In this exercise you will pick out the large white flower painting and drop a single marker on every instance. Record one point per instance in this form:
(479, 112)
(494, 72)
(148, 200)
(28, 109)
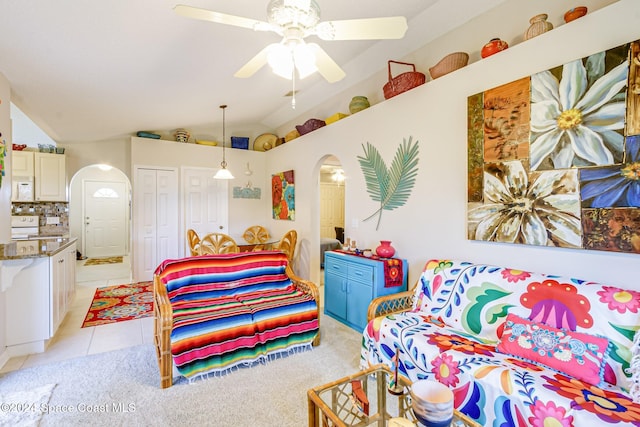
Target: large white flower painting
(554, 158)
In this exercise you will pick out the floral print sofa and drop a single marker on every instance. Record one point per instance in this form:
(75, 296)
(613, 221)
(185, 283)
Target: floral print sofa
(517, 348)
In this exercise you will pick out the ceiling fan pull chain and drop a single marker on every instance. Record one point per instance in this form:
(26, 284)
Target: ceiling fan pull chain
(293, 96)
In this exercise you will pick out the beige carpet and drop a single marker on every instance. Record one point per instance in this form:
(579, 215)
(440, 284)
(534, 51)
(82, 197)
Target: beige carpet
(101, 261)
(122, 387)
(25, 408)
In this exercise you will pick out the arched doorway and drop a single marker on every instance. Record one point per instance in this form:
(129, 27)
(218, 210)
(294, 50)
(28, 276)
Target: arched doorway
(331, 182)
(100, 211)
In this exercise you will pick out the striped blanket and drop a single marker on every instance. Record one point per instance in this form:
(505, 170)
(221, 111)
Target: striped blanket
(233, 310)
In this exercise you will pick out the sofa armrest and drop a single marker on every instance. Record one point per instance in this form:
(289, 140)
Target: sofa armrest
(308, 288)
(163, 323)
(388, 304)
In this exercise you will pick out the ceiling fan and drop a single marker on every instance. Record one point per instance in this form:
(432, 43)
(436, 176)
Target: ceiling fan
(294, 20)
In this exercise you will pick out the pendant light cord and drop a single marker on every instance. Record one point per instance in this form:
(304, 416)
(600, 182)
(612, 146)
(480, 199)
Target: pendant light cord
(224, 159)
(293, 79)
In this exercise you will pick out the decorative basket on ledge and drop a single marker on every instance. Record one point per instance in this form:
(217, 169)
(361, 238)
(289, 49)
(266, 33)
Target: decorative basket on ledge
(449, 63)
(310, 125)
(402, 82)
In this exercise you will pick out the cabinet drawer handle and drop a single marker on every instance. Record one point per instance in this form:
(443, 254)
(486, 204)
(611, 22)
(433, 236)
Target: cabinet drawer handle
(343, 288)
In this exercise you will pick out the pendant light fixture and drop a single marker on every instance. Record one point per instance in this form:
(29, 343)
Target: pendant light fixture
(223, 172)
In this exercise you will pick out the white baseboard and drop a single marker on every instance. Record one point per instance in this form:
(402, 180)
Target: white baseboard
(4, 357)
(25, 349)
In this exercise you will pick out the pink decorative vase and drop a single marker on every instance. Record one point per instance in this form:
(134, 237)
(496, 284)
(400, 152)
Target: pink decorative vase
(385, 250)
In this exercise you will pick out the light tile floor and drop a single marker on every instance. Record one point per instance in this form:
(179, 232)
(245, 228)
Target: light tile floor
(71, 340)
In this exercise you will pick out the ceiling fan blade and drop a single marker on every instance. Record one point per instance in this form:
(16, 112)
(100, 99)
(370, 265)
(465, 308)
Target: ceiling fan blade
(326, 66)
(393, 27)
(221, 18)
(254, 64)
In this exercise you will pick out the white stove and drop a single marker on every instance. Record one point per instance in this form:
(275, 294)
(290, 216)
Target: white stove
(23, 226)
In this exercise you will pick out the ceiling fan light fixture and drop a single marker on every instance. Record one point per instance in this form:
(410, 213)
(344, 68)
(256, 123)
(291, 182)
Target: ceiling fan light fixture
(304, 60)
(294, 20)
(299, 13)
(280, 60)
(283, 58)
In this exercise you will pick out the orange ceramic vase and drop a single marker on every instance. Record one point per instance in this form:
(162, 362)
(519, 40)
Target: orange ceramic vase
(494, 46)
(575, 13)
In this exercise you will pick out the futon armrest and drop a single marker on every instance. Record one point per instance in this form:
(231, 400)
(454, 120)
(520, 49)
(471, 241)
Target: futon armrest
(309, 288)
(388, 304)
(163, 323)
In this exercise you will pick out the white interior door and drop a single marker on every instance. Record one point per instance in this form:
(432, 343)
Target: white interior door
(205, 202)
(105, 218)
(155, 220)
(331, 209)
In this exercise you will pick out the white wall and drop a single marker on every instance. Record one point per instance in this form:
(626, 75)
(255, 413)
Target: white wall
(116, 153)
(5, 194)
(242, 212)
(508, 21)
(7, 139)
(433, 222)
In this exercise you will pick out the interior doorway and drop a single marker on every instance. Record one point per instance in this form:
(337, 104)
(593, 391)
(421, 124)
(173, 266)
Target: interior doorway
(104, 218)
(332, 190)
(100, 211)
(331, 208)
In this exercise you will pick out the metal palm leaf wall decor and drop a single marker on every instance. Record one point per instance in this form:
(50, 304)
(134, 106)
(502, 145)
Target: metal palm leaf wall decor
(391, 187)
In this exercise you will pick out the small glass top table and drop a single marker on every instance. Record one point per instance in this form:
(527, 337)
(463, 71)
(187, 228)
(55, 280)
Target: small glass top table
(245, 246)
(334, 404)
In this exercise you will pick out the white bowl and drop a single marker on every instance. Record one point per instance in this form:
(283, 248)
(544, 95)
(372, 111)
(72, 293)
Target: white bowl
(432, 402)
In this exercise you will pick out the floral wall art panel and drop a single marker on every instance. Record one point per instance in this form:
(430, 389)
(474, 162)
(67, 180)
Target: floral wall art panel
(554, 158)
(283, 195)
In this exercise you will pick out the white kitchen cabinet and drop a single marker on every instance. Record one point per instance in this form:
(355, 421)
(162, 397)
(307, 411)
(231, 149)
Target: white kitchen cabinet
(155, 216)
(62, 285)
(50, 177)
(22, 164)
(27, 308)
(39, 292)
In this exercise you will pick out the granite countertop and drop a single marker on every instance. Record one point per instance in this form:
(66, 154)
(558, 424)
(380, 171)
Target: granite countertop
(22, 249)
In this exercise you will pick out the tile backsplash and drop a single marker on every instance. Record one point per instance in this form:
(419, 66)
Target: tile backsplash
(44, 210)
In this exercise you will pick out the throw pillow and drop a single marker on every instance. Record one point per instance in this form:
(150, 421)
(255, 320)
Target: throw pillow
(572, 353)
(634, 368)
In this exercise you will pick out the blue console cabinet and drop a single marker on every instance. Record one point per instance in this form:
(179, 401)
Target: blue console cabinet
(350, 283)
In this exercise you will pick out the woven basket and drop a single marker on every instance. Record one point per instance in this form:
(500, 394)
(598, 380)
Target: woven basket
(310, 125)
(449, 63)
(402, 82)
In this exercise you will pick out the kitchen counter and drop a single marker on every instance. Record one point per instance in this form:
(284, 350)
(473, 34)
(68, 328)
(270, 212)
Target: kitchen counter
(38, 280)
(22, 249)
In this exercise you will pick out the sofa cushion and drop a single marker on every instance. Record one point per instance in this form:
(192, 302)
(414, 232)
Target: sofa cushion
(494, 389)
(212, 335)
(476, 298)
(573, 353)
(212, 276)
(282, 317)
(207, 336)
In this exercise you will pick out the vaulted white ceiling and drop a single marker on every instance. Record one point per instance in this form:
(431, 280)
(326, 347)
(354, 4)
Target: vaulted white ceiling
(85, 70)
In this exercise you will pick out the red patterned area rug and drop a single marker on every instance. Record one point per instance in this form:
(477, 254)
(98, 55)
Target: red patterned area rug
(119, 303)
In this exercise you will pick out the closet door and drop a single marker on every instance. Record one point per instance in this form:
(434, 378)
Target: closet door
(205, 203)
(167, 229)
(155, 220)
